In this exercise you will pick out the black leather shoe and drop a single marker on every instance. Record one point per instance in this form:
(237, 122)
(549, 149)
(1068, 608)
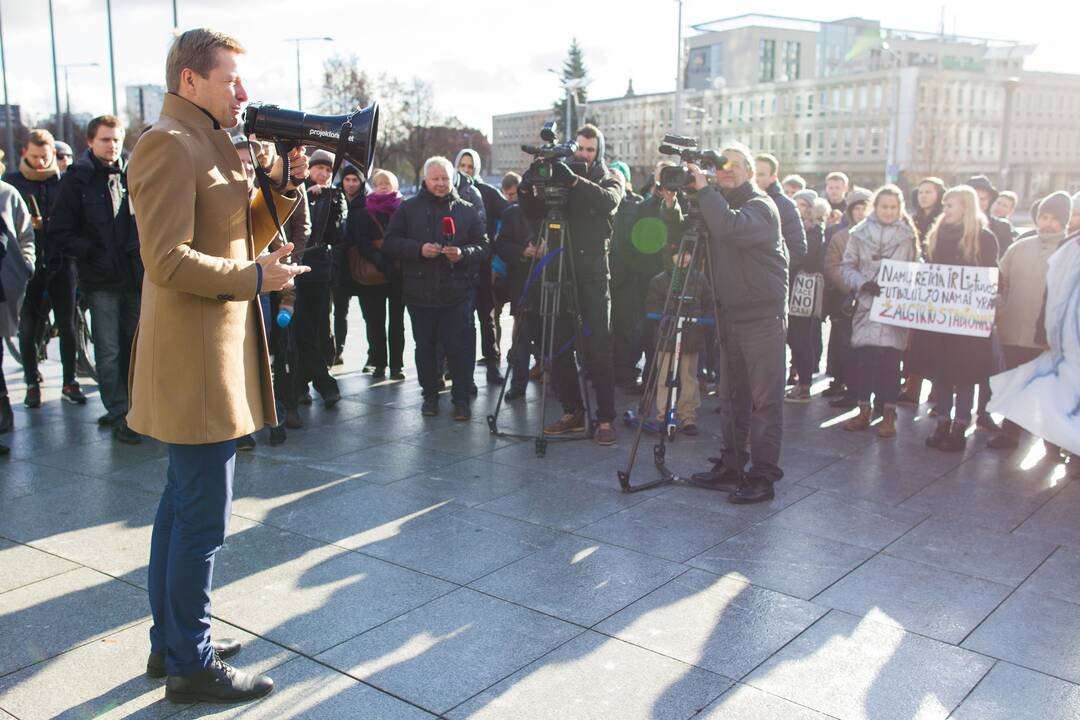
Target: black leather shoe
(515, 393)
(246, 443)
(278, 435)
(753, 490)
(219, 683)
(225, 648)
(462, 413)
(718, 478)
(7, 417)
(122, 433)
(332, 399)
(430, 408)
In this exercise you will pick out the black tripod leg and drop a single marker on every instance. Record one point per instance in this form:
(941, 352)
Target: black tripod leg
(520, 320)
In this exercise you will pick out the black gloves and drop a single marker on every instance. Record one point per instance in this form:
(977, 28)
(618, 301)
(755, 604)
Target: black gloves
(561, 174)
(871, 288)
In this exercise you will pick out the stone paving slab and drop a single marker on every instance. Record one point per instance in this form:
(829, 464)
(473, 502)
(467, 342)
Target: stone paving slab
(305, 689)
(1009, 692)
(22, 565)
(1058, 577)
(595, 677)
(306, 595)
(118, 687)
(1035, 631)
(719, 624)
(778, 558)
(971, 550)
(579, 580)
(860, 669)
(743, 702)
(855, 522)
(443, 653)
(59, 613)
(923, 599)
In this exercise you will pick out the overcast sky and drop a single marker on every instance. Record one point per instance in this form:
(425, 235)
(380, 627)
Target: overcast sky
(481, 58)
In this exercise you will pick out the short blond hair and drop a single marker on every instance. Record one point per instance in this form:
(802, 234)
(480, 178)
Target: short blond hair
(196, 49)
(771, 161)
(387, 175)
(40, 136)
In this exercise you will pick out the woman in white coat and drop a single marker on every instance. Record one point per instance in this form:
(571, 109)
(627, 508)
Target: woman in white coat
(16, 266)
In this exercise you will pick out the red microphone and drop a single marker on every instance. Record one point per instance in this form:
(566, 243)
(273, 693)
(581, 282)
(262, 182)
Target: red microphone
(448, 230)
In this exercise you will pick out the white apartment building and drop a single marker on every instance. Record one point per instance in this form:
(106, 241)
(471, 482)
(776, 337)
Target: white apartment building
(851, 96)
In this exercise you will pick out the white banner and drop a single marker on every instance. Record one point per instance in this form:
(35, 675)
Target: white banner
(954, 299)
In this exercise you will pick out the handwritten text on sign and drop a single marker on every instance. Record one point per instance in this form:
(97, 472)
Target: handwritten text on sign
(953, 299)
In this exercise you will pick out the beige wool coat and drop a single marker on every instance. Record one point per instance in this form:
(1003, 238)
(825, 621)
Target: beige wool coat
(200, 371)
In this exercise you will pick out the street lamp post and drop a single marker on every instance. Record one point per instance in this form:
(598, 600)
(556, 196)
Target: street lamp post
(297, 41)
(112, 62)
(9, 132)
(1006, 128)
(69, 126)
(55, 73)
(677, 120)
(894, 130)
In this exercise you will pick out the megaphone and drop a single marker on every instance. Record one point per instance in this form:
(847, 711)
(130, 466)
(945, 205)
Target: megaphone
(292, 128)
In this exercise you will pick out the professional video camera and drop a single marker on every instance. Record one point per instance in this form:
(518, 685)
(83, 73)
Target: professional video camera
(678, 177)
(544, 158)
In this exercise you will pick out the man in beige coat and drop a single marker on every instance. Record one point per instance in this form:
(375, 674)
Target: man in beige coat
(200, 373)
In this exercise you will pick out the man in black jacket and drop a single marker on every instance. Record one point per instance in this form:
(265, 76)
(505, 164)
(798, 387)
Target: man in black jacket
(750, 270)
(92, 222)
(516, 245)
(591, 202)
(315, 288)
(766, 175)
(37, 178)
(437, 268)
(492, 204)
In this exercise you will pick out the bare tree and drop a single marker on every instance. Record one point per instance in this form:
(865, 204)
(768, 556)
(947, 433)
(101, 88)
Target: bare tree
(420, 118)
(393, 130)
(345, 86)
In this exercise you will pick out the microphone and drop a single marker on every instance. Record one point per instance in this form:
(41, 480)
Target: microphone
(448, 230)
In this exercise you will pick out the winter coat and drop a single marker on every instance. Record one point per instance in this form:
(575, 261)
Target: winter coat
(331, 202)
(955, 359)
(590, 217)
(750, 264)
(16, 257)
(924, 221)
(1023, 279)
(698, 304)
(871, 242)
(836, 290)
(515, 233)
(791, 227)
(92, 222)
(364, 228)
(435, 282)
(41, 193)
(200, 371)
(1003, 233)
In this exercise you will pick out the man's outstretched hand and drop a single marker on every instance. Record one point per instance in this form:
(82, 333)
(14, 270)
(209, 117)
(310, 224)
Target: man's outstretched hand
(276, 275)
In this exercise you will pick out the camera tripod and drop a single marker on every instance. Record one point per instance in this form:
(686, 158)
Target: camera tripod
(555, 273)
(673, 322)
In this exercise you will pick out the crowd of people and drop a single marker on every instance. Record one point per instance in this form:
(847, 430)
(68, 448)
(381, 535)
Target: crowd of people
(220, 273)
(461, 250)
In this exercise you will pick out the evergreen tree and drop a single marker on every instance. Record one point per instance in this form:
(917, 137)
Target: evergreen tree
(573, 69)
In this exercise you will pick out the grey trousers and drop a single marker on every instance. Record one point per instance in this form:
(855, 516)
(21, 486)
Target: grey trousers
(752, 363)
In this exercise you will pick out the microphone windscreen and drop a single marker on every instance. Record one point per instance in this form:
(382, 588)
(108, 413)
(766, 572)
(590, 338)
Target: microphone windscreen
(448, 225)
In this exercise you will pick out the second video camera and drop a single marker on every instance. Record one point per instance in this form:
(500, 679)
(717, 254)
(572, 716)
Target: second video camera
(678, 177)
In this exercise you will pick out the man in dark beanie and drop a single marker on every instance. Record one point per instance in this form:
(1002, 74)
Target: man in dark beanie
(345, 288)
(313, 290)
(987, 195)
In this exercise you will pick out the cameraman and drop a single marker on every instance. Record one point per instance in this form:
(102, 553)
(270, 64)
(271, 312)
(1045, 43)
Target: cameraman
(750, 269)
(592, 199)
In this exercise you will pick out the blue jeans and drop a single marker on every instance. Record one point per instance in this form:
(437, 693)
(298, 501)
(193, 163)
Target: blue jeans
(189, 529)
(114, 314)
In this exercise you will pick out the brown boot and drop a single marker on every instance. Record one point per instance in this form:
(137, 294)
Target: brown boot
(571, 422)
(861, 421)
(887, 428)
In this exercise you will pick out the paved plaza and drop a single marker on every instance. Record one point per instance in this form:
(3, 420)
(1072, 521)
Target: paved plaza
(384, 565)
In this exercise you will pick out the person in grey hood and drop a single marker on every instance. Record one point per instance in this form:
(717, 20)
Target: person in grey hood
(750, 268)
(491, 207)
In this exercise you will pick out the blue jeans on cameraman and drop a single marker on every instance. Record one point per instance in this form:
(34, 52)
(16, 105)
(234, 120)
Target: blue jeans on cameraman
(114, 315)
(190, 526)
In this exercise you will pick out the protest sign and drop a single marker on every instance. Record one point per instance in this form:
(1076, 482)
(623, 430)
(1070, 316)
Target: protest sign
(955, 299)
(806, 295)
